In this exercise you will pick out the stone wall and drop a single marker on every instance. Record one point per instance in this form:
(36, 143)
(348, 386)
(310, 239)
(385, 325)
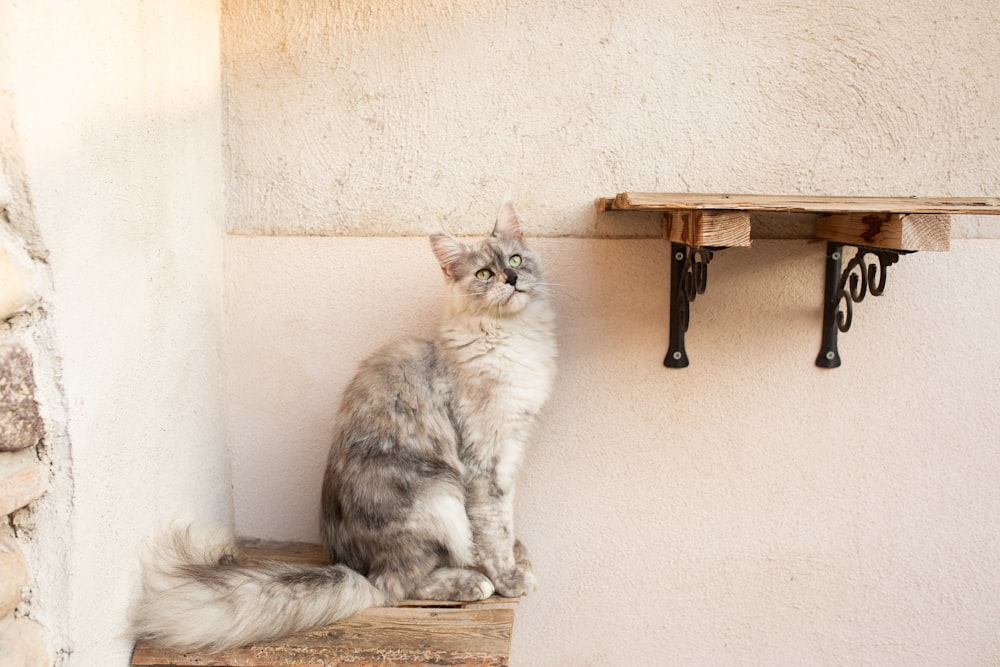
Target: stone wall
(24, 468)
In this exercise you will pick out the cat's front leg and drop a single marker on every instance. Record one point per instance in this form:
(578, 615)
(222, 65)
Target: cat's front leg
(491, 513)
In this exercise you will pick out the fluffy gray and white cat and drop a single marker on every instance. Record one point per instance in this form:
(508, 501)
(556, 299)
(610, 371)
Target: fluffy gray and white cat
(418, 493)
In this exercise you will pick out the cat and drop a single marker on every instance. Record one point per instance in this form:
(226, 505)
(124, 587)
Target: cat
(418, 493)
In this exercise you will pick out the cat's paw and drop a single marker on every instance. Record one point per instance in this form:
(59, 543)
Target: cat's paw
(530, 582)
(454, 584)
(519, 581)
(521, 556)
(474, 589)
(484, 590)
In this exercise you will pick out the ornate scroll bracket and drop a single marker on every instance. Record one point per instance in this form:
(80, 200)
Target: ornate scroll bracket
(688, 279)
(846, 286)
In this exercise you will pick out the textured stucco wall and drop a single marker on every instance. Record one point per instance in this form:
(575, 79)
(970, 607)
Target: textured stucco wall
(361, 118)
(116, 108)
(751, 509)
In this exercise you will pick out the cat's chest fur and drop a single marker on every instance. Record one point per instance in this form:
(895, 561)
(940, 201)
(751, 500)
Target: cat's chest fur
(511, 364)
(504, 375)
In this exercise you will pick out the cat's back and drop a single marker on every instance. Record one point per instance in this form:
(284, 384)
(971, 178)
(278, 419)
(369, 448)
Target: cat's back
(398, 398)
(398, 364)
(394, 450)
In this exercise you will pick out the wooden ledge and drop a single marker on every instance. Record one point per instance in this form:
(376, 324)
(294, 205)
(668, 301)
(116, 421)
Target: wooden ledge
(414, 633)
(723, 221)
(669, 201)
(880, 229)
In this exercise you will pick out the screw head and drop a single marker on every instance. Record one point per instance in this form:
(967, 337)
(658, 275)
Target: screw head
(678, 256)
(835, 255)
(830, 355)
(677, 356)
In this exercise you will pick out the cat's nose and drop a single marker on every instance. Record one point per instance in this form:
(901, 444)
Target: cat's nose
(511, 277)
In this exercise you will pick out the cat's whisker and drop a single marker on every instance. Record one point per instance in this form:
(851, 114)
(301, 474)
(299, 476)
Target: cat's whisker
(549, 288)
(557, 291)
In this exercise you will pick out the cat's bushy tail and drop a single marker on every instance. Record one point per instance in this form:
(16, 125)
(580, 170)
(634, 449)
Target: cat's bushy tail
(196, 597)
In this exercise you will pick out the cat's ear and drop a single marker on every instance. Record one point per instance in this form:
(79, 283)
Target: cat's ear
(507, 222)
(449, 252)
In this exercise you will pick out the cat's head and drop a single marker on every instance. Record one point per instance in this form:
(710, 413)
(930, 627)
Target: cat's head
(497, 276)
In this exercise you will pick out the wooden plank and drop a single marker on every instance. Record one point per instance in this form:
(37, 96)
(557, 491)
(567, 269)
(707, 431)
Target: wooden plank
(663, 201)
(917, 231)
(253, 552)
(414, 631)
(390, 636)
(149, 655)
(716, 229)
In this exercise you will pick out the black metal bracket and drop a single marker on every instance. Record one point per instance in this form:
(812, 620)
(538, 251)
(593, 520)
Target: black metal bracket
(846, 287)
(688, 279)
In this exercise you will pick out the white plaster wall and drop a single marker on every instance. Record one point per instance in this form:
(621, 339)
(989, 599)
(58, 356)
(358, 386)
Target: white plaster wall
(117, 107)
(750, 509)
(361, 118)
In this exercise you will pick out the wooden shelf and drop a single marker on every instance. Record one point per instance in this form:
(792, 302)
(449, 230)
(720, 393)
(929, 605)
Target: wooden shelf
(881, 229)
(669, 201)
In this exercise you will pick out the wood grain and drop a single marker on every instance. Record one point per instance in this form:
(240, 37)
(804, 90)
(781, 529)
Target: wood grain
(716, 229)
(664, 201)
(895, 231)
(253, 552)
(392, 636)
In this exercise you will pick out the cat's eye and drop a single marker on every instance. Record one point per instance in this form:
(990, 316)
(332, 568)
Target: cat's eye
(514, 260)
(484, 274)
